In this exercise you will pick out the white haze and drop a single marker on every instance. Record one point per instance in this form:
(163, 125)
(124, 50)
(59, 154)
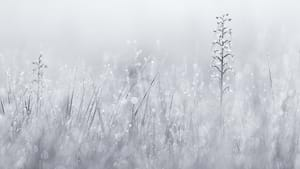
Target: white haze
(133, 84)
(67, 30)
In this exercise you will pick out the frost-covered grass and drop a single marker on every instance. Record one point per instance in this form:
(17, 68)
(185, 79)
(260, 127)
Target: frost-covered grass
(149, 114)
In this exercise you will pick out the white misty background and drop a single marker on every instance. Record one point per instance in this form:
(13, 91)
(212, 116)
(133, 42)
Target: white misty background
(149, 84)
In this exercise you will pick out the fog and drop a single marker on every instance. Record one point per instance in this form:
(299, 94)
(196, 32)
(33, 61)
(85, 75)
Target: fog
(130, 84)
(71, 31)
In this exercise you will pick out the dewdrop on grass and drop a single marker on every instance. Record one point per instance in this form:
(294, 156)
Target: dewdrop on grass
(134, 100)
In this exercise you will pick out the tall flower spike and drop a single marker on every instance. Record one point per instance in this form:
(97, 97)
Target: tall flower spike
(221, 51)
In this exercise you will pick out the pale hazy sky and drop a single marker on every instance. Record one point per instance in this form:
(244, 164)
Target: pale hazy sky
(67, 29)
